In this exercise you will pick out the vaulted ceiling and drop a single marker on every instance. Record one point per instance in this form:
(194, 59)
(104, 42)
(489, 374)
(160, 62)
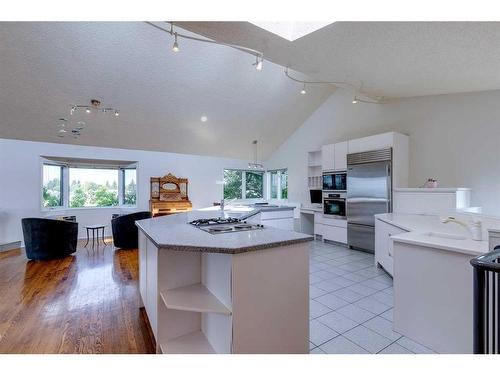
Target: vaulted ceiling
(45, 67)
(392, 59)
(161, 95)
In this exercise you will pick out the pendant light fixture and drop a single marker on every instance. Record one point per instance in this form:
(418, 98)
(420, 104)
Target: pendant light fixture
(303, 91)
(255, 165)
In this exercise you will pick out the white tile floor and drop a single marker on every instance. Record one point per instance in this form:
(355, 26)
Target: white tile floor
(351, 304)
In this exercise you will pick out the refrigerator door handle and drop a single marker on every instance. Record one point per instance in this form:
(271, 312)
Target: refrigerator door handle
(389, 188)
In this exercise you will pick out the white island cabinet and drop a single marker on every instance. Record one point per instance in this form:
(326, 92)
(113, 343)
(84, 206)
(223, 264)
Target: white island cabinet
(432, 274)
(244, 292)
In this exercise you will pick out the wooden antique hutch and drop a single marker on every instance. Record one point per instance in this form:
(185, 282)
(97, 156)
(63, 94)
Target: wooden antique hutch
(169, 195)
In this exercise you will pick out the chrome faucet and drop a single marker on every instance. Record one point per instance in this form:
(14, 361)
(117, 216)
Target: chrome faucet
(451, 219)
(474, 227)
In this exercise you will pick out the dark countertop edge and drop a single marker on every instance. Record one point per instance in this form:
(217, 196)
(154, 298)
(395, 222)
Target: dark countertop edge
(225, 250)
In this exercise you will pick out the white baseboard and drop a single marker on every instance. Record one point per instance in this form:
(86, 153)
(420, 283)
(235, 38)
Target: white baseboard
(10, 246)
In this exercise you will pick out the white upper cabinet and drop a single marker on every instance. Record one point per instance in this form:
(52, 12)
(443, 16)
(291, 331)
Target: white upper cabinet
(340, 156)
(334, 156)
(328, 157)
(374, 142)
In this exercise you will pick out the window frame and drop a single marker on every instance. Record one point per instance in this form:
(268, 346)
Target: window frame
(244, 183)
(61, 187)
(279, 182)
(65, 184)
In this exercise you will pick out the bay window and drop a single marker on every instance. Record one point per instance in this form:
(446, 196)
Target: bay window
(70, 185)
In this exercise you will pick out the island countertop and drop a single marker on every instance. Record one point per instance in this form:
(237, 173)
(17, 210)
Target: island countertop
(174, 232)
(418, 228)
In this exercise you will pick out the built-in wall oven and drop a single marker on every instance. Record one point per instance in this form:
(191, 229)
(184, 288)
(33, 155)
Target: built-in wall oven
(334, 205)
(335, 181)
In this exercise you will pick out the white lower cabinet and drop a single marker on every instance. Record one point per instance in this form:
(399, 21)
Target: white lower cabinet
(330, 229)
(337, 234)
(277, 219)
(384, 244)
(286, 223)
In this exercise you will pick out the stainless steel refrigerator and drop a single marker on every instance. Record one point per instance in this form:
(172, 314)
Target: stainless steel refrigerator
(369, 192)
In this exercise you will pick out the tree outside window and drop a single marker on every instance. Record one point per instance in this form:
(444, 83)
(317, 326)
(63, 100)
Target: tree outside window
(52, 185)
(233, 180)
(241, 184)
(279, 184)
(88, 187)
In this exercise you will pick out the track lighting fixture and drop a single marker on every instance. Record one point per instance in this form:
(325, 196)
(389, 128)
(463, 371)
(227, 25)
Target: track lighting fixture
(175, 46)
(259, 56)
(258, 63)
(94, 106)
(359, 96)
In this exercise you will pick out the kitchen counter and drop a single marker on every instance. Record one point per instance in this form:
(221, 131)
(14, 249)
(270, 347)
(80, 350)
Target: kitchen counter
(175, 233)
(419, 226)
(237, 292)
(432, 277)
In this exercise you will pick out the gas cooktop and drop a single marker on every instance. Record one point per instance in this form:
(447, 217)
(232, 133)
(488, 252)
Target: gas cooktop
(220, 225)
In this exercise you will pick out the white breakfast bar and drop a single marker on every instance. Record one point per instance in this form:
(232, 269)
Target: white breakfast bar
(242, 292)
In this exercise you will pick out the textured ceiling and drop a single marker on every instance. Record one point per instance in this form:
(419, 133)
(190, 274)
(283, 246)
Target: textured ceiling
(392, 59)
(161, 95)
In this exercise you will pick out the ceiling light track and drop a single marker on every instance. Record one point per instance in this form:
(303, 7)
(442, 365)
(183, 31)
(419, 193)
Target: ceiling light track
(259, 56)
(359, 97)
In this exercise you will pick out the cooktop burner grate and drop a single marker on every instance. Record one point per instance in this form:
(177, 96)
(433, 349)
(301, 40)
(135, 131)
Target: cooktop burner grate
(214, 221)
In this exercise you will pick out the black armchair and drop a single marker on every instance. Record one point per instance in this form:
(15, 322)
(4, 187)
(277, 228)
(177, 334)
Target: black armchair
(125, 233)
(46, 239)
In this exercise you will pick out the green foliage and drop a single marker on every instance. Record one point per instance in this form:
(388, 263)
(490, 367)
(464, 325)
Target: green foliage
(51, 193)
(91, 194)
(254, 185)
(105, 197)
(232, 184)
(284, 184)
(130, 197)
(78, 195)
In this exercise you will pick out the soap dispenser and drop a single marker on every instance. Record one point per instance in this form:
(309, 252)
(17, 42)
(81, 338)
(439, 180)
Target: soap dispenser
(476, 229)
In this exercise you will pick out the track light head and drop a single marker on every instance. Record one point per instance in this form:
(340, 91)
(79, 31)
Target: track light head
(117, 113)
(258, 62)
(88, 110)
(303, 91)
(175, 46)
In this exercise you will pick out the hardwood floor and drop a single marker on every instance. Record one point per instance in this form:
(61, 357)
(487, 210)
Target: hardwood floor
(85, 303)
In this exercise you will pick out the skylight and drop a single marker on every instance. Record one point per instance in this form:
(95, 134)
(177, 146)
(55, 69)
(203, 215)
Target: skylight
(291, 30)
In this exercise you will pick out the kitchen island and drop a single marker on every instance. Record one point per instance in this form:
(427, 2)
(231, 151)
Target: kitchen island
(432, 277)
(238, 292)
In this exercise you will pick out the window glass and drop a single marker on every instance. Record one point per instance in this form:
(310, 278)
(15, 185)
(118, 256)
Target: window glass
(254, 184)
(279, 184)
(52, 186)
(129, 187)
(233, 180)
(284, 184)
(93, 187)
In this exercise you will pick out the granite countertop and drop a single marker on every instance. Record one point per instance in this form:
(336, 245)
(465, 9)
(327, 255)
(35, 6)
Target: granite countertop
(418, 227)
(174, 232)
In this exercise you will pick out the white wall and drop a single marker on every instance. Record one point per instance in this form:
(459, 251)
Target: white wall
(20, 180)
(454, 138)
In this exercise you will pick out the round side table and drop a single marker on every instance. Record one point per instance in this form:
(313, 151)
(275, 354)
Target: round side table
(94, 229)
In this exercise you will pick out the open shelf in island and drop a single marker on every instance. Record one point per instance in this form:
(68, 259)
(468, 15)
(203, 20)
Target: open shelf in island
(195, 297)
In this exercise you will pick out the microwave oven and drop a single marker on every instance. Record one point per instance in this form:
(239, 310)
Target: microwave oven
(334, 181)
